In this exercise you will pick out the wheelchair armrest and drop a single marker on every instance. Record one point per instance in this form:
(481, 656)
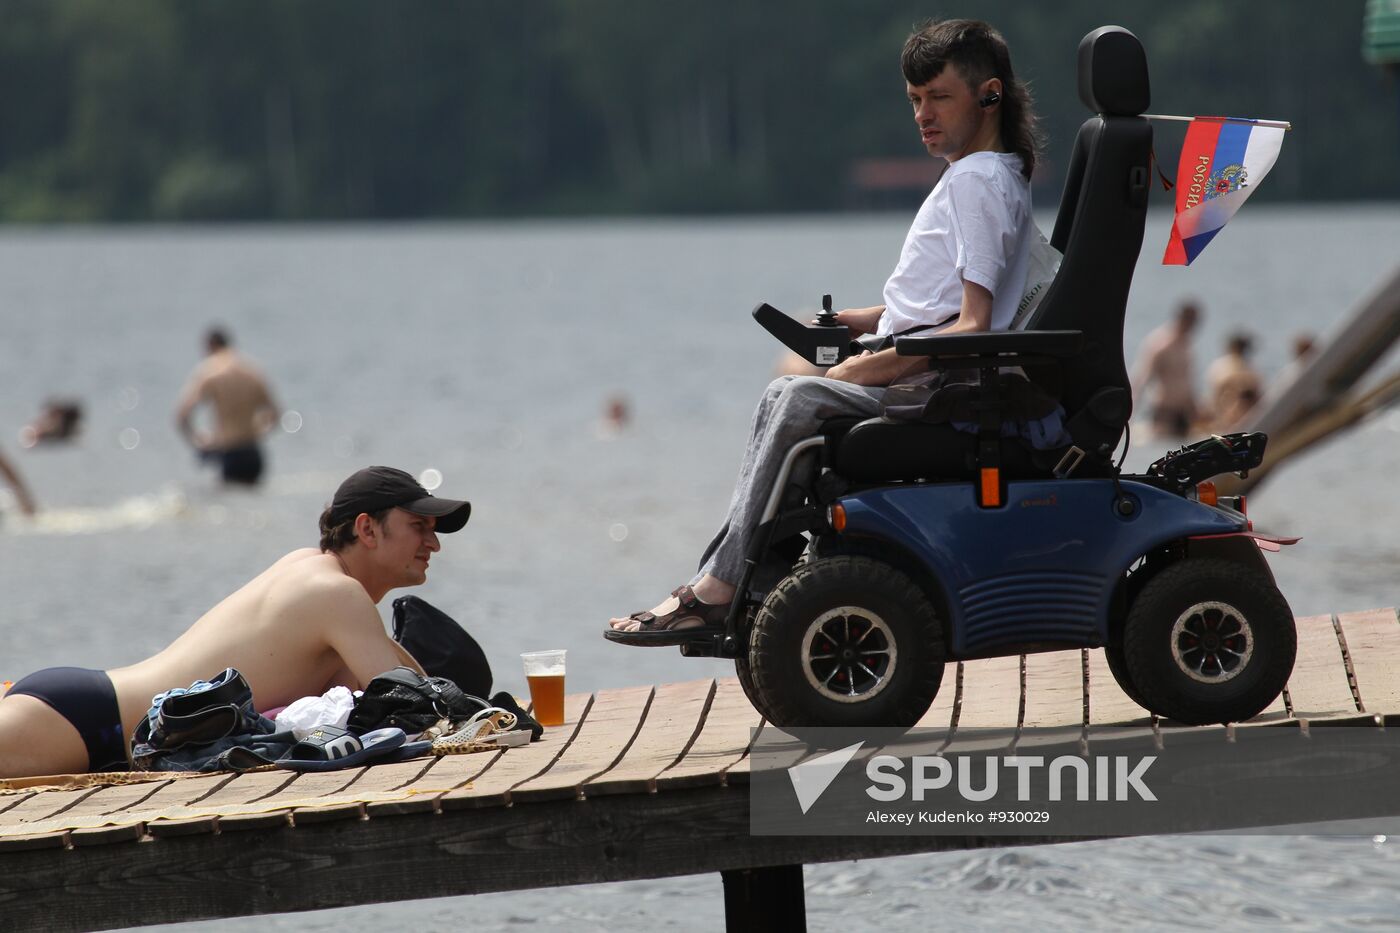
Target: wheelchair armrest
(1011, 344)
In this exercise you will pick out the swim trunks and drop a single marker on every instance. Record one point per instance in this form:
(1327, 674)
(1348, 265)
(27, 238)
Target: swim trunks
(238, 464)
(87, 699)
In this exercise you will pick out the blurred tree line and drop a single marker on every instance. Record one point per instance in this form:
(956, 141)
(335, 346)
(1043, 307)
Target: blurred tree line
(331, 109)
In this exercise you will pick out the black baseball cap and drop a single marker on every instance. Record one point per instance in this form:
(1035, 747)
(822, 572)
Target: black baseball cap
(380, 487)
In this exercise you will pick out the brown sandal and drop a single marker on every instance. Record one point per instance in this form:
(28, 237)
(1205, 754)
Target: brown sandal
(671, 628)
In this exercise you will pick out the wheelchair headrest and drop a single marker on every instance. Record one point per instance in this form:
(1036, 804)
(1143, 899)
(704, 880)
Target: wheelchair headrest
(1113, 72)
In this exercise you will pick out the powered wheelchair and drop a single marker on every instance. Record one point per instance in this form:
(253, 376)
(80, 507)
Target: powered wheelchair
(920, 544)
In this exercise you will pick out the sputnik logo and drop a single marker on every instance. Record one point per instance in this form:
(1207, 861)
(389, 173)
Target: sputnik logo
(811, 778)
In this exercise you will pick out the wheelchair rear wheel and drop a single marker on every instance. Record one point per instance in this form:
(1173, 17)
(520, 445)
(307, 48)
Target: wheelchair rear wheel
(1118, 667)
(745, 675)
(1209, 641)
(845, 641)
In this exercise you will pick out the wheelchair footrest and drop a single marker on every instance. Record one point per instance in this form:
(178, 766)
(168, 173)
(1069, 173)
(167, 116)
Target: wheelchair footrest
(710, 646)
(1220, 453)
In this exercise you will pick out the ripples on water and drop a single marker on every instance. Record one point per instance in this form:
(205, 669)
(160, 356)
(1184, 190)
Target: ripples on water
(488, 352)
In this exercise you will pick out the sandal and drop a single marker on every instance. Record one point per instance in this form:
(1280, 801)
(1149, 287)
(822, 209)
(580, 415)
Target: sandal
(671, 628)
(492, 727)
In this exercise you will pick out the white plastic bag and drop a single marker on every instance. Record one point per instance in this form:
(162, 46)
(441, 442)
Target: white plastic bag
(330, 709)
(1040, 272)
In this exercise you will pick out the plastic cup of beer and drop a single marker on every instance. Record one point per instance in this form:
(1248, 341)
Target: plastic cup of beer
(544, 670)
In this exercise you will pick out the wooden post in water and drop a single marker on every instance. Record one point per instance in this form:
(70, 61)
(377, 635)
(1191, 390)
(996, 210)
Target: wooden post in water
(764, 900)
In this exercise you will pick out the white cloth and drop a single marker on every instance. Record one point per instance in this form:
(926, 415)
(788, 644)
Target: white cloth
(330, 709)
(1041, 269)
(976, 226)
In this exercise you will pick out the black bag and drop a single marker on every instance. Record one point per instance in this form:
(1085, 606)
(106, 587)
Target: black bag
(442, 646)
(194, 719)
(222, 707)
(406, 699)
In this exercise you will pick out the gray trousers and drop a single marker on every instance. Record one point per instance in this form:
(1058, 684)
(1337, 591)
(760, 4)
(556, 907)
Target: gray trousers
(793, 407)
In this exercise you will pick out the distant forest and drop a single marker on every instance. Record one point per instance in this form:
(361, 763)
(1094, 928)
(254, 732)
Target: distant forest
(361, 109)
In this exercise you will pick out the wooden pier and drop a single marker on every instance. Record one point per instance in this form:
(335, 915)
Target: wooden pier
(641, 782)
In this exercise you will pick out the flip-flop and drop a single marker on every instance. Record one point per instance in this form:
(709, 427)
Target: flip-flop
(660, 631)
(407, 751)
(330, 748)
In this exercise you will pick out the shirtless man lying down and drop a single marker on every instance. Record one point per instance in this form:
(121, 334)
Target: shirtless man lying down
(305, 624)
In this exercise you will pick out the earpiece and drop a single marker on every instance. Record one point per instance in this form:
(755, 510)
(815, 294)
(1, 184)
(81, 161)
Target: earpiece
(989, 100)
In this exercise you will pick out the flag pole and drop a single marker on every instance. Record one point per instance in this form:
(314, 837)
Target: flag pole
(1166, 116)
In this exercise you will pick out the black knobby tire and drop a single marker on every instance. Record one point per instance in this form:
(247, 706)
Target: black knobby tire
(1224, 620)
(745, 675)
(882, 634)
(1118, 667)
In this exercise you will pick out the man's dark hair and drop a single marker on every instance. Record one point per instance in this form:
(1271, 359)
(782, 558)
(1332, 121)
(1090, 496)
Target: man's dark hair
(216, 338)
(336, 538)
(1240, 342)
(979, 53)
(1189, 313)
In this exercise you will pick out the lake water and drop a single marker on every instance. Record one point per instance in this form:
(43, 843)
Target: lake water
(488, 352)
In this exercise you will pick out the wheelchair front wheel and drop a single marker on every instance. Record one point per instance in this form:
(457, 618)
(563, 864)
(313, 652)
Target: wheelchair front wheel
(1209, 641)
(846, 641)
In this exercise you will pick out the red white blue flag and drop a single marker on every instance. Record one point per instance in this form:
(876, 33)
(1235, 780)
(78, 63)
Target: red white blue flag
(1222, 162)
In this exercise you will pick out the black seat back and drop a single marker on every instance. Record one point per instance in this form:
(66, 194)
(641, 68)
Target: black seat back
(1099, 231)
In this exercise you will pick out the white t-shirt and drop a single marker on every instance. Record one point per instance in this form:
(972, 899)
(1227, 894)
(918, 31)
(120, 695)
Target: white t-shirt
(976, 226)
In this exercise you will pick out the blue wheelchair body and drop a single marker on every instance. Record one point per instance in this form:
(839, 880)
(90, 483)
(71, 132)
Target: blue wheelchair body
(1040, 570)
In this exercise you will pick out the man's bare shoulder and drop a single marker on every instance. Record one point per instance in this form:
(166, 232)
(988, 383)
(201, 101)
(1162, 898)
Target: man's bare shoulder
(310, 580)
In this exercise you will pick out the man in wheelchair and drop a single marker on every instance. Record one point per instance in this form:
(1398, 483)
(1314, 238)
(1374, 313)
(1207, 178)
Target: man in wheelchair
(971, 530)
(962, 270)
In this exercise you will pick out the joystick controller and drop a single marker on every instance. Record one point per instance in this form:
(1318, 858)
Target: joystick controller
(824, 342)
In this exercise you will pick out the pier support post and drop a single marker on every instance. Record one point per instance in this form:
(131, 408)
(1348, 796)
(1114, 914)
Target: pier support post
(764, 900)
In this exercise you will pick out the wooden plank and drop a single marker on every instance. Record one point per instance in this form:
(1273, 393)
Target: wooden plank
(1055, 695)
(518, 765)
(105, 835)
(322, 813)
(247, 788)
(117, 806)
(1108, 704)
(391, 776)
(991, 694)
(459, 772)
(722, 745)
(447, 773)
(611, 727)
(1373, 643)
(1318, 685)
(186, 791)
(251, 821)
(51, 840)
(33, 814)
(672, 722)
(311, 785)
(309, 789)
(199, 816)
(400, 788)
(172, 827)
(11, 800)
(113, 799)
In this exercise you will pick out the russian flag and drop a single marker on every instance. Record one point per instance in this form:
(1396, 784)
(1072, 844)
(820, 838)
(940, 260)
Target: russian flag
(1222, 161)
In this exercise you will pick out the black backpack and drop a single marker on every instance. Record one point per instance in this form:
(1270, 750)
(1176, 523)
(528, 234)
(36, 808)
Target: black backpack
(406, 699)
(441, 645)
